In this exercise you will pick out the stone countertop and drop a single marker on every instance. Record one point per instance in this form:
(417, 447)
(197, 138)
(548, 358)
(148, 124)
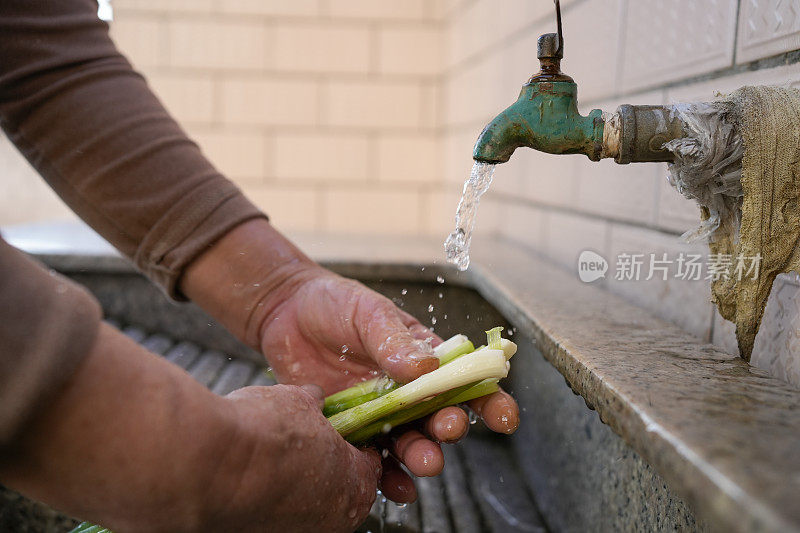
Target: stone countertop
(724, 435)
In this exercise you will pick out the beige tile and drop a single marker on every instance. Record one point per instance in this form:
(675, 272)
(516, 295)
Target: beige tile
(168, 6)
(665, 41)
(592, 35)
(410, 50)
(264, 102)
(409, 158)
(675, 212)
(567, 235)
(476, 94)
(777, 346)
(766, 28)
(373, 104)
(684, 302)
(189, 98)
(290, 208)
(622, 192)
(725, 334)
(787, 75)
(439, 211)
(240, 156)
(547, 178)
(217, 44)
(442, 9)
(457, 155)
(321, 157)
(321, 47)
(372, 212)
(524, 224)
(377, 9)
(140, 39)
(24, 195)
(482, 24)
(270, 7)
(431, 104)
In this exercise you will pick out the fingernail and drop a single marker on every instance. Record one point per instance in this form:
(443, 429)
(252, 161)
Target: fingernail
(424, 361)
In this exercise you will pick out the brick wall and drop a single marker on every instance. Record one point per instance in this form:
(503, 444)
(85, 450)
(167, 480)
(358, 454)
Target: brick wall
(359, 116)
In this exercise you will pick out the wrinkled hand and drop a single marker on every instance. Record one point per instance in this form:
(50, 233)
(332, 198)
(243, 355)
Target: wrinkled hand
(318, 328)
(334, 332)
(320, 482)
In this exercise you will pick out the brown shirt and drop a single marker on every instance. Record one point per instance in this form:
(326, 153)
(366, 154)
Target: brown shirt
(93, 129)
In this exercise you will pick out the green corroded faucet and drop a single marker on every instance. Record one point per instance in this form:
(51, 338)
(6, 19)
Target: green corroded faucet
(545, 117)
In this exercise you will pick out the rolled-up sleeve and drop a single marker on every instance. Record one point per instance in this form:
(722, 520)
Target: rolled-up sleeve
(48, 324)
(93, 129)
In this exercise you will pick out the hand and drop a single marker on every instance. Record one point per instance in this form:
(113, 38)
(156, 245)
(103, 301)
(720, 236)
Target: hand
(274, 298)
(289, 469)
(132, 442)
(334, 332)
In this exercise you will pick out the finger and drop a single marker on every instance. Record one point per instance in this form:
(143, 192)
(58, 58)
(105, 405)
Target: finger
(498, 410)
(421, 456)
(367, 470)
(395, 483)
(316, 392)
(447, 425)
(390, 343)
(419, 331)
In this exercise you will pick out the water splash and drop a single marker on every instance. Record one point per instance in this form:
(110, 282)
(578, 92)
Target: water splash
(456, 247)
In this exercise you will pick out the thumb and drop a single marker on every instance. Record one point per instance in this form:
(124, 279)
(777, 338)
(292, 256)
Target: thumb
(390, 342)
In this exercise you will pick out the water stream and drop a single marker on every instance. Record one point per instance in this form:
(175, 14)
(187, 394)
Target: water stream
(456, 247)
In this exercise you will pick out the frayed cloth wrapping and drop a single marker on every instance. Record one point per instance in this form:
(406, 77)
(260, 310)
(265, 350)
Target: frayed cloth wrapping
(761, 221)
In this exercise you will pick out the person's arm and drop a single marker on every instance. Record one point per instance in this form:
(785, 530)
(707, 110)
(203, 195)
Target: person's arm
(135, 444)
(93, 129)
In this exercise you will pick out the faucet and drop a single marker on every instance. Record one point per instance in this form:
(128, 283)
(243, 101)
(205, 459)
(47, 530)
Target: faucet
(545, 117)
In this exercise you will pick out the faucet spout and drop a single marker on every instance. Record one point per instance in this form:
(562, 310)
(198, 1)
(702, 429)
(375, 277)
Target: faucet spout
(545, 117)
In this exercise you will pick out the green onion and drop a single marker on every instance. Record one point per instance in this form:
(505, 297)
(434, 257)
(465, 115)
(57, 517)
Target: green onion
(453, 397)
(493, 337)
(447, 351)
(467, 369)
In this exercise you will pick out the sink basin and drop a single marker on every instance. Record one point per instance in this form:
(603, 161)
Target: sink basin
(627, 422)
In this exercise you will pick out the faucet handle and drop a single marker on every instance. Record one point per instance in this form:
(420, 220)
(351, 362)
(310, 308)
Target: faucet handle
(549, 47)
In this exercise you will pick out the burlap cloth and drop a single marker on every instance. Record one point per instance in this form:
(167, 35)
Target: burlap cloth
(769, 122)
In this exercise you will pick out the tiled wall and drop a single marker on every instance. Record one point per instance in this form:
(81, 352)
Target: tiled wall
(359, 116)
(323, 111)
(619, 51)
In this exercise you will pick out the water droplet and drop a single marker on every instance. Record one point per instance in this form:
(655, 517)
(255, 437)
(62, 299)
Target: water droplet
(473, 418)
(441, 295)
(430, 308)
(423, 269)
(384, 453)
(445, 316)
(404, 292)
(401, 506)
(344, 348)
(440, 279)
(433, 320)
(342, 358)
(386, 428)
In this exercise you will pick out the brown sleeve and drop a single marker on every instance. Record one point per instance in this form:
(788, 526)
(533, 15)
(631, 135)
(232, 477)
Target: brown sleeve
(91, 127)
(47, 325)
